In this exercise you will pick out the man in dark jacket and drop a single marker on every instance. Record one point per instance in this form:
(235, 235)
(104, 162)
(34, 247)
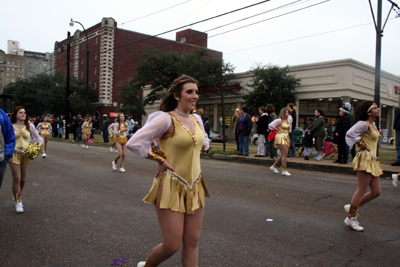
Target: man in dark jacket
(292, 149)
(339, 135)
(396, 126)
(262, 126)
(104, 128)
(243, 129)
(7, 142)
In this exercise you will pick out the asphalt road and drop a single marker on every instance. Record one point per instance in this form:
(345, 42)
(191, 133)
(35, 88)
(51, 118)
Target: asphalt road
(79, 212)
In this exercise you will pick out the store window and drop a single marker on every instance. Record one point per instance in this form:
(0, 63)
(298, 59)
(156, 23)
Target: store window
(208, 112)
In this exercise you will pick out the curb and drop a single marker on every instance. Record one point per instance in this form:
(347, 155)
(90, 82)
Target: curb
(309, 165)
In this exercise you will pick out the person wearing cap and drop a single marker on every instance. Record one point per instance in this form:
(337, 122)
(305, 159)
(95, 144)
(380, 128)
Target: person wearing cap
(243, 129)
(104, 128)
(353, 150)
(339, 135)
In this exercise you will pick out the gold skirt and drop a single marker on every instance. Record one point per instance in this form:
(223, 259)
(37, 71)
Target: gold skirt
(19, 158)
(177, 195)
(44, 135)
(364, 161)
(121, 140)
(281, 140)
(86, 132)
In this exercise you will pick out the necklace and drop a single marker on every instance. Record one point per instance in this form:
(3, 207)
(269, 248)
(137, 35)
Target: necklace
(20, 123)
(183, 114)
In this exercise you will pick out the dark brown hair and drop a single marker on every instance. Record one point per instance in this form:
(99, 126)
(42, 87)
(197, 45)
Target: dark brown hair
(270, 108)
(118, 121)
(263, 109)
(13, 117)
(361, 113)
(320, 111)
(169, 102)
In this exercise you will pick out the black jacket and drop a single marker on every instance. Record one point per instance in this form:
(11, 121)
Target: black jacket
(396, 125)
(342, 126)
(262, 124)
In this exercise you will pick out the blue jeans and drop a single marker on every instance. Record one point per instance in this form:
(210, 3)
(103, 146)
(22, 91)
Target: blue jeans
(243, 144)
(105, 136)
(398, 145)
(3, 166)
(292, 149)
(79, 133)
(267, 145)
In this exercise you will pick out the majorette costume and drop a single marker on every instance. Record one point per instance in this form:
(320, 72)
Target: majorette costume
(120, 133)
(22, 142)
(281, 138)
(184, 190)
(44, 129)
(87, 128)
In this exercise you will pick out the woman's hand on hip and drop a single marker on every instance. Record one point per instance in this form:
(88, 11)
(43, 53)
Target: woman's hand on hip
(162, 167)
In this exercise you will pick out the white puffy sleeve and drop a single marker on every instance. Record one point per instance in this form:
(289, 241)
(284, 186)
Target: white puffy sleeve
(35, 134)
(116, 129)
(83, 125)
(353, 134)
(207, 140)
(157, 124)
(50, 128)
(39, 127)
(111, 127)
(274, 124)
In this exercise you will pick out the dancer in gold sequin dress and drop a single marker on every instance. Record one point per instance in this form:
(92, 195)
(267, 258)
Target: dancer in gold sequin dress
(282, 140)
(365, 134)
(86, 131)
(179, 188)
(44, 129)
(120, 130)
(19, 163)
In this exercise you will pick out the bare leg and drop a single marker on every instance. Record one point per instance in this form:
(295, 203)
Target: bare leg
(24, 172)
(119, 148)
(363, 180)
(123, 149)
(172, 228)
(16, 174)
(375, 192)
(45, 144)
(191, 235)
(284, 152)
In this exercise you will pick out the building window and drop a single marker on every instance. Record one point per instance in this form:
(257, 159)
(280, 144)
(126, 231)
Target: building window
(95, 55)
(81, 74)
(95, 70)
(82, 61)
(94, 87)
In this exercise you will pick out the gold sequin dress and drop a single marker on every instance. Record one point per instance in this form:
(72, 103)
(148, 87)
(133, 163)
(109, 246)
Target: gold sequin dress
(184, 190)
(366, 160)
(121, 138)
(282, 137)
(88, 129)
(21, 142)
(44, 130)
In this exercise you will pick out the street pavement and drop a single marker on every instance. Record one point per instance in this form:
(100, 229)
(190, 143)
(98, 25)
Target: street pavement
(79, 212)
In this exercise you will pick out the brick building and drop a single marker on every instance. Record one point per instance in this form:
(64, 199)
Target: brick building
(11, 68)
(114, 55)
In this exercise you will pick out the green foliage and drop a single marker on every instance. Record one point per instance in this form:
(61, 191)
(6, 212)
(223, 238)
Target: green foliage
(131, 97)
(271, 85)
(47, 94)
(158, 70)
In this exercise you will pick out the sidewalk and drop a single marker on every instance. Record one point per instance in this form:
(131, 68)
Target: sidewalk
(299, 162)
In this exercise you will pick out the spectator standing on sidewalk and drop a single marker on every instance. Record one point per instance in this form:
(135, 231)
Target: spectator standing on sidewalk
(396, 127)
(319, 132)
(235, 119)
(339, 135)
(271, 117)
(243, 129)
(262, 126)
(293, 124)
(104, 128)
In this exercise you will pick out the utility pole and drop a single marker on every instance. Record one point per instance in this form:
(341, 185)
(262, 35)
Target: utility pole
(379, 34)
(68, 84)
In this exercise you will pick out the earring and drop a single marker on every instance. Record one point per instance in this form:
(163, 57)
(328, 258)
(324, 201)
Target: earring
(177, 99)
(368, 114)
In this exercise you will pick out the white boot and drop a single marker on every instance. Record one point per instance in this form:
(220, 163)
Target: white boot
(141, 264)
(274, 169)
(286, 173)
(395, 178)
(353, 223)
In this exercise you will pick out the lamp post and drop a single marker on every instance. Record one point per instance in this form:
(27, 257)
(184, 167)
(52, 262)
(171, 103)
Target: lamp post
(71, 23)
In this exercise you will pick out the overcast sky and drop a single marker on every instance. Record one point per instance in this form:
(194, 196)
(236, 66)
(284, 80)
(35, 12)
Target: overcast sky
(332, 30)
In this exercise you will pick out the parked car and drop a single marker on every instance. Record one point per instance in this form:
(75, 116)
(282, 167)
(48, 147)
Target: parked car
(217, 137)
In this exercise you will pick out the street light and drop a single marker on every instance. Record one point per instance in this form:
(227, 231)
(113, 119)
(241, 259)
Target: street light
(71, 23)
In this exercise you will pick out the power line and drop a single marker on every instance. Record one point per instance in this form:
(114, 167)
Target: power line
(154, 13)
(304, 37)
(269, 18)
